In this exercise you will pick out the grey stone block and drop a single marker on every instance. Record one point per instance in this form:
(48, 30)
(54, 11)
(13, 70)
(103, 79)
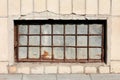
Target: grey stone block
(73, 77)
(11, 77)
(105, 76)
(39, 77)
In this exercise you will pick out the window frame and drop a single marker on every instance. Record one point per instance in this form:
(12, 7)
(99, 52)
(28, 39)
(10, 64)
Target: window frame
(35, 22)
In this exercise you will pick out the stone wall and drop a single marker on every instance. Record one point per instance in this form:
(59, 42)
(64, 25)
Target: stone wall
(11, 10)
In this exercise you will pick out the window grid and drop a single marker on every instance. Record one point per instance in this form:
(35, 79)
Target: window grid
(64, 46)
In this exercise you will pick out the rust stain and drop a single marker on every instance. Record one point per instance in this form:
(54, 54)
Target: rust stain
(45, 55)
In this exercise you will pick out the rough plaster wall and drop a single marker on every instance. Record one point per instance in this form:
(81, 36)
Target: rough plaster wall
(59, 9)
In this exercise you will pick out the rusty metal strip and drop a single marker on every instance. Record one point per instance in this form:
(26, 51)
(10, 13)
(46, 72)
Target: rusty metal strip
(64, 44)
(27, 42)
(76, 42)
(52, 41)
(60, 34)
(88, 43)
(40, 43)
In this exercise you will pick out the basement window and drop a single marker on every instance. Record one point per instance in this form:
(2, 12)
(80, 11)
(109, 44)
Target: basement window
(59, 40)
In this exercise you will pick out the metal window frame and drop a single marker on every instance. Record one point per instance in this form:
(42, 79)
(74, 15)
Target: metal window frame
(64, 22)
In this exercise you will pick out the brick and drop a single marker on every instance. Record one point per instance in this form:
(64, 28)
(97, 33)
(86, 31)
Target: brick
(53, 6)
(12, 69)
(64, 69)
(50, 69)
(65, 6)
(37, 70)
(91, 6)
(3, 8)
(39, 5)
(4, 39)
(3, 67)
(115, 40)
(26, 6)
(79, 6)
(103, 69)
(14, 7)
(115, 7)
(77, 69)
(115, 67)
(90, 70)
(104, 9)
(23, 69)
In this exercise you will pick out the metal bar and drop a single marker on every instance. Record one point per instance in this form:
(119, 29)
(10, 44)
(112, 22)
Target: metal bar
(16, 43)
(52, 41)
(40, 43)
(76, 42)
(28, 42)
(102, 44)
(60, 61)
(64, 44)
(60, 34)
(88, 43)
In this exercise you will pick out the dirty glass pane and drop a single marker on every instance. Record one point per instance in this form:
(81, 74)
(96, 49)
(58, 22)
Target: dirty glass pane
(34, 29)
(95, 41)
(81, 53)
(58, 29)
(46, 53)
(69, 29)
(46, 40)
(82, 29)
(22, 40)
(34, 52)
(46, 29)
(81, 40)
(22, 52)
(95, 53)
(70, 53)
(58, 40)
(58, 53)
(95, 29)
(70, 40)
(34, 40)
(22, 29)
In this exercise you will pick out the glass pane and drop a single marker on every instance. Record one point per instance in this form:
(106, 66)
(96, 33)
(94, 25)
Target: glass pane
(22, 29)
(34, 29)
(95, 53)
(58, 40)
(46, 40)
(70, 53)
(95, 28)
(46, 29)
(82, 29)
(70, 41)
(34, 40)
(70, 29)
(81, 40)
(34, 52)
(82, 53)
(58, 53)
(95, 41)
(22, 52)
(22, 40)
(46, 53)
(57, 29)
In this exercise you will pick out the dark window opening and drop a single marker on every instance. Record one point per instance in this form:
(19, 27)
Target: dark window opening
(60, 40)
